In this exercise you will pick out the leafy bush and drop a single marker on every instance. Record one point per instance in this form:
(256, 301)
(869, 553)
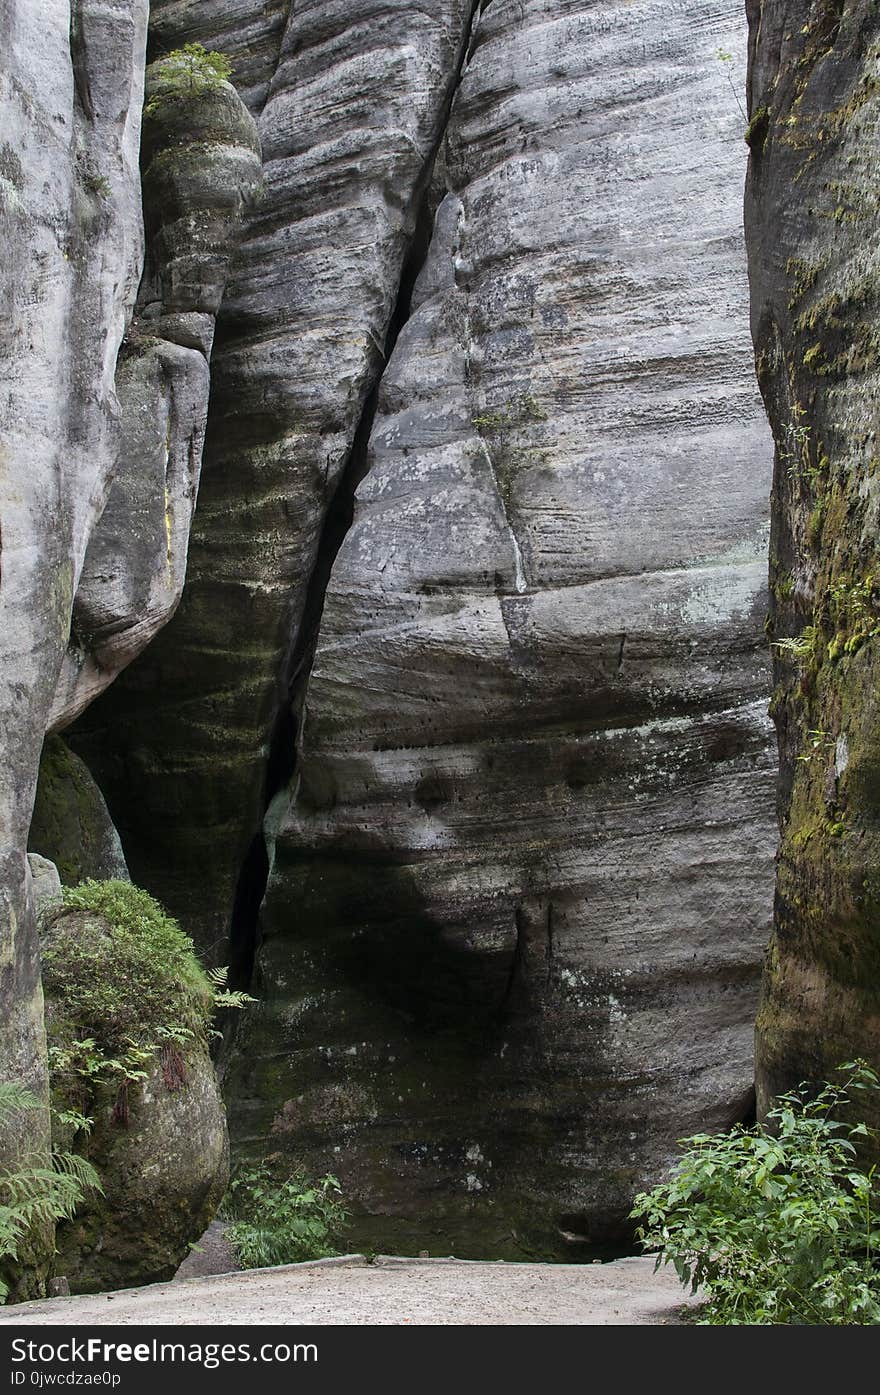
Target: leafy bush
(777, 1224)
(125, 988)
(33, 1194)
(282, 1222)
(186, 73)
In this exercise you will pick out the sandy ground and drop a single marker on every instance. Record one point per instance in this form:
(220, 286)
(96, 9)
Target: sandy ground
(388, 1291)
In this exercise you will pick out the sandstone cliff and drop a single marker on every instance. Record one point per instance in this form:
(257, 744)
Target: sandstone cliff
(526, 838)
(349, 125)
(811, 207)
(70, 110)
(468, 675)
(102, 421)
(520, 889)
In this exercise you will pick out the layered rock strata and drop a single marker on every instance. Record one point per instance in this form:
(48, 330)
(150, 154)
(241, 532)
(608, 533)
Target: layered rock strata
(70, 106)
(200, 156)
(520, 833)
(102, 421)
(349, 125)
(812, 209)
(521, 885)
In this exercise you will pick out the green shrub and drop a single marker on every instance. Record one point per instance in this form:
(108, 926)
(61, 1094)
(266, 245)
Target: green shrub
(125, 988)
(186, 73)
(777, 1224)
(33, 1194)
(282, 1222)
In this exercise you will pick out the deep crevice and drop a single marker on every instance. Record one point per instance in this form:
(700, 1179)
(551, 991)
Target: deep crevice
(281, 760)
(515, 972)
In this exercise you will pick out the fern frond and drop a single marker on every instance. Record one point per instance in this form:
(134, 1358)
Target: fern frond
(23, 1188)
(12, 1228)
(80, 1170)
(14, 1097)
(74, 1119)
(18, 1188)
(232, 998)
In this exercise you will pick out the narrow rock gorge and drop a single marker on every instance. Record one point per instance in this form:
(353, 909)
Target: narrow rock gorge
(200, 729)
(520, 879)
(384, 532)
(474, 607)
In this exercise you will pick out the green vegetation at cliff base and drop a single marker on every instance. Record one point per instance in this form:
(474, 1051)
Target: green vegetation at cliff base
(777, 1224)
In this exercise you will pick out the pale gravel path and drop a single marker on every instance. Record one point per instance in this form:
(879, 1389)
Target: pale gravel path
(389, 1291)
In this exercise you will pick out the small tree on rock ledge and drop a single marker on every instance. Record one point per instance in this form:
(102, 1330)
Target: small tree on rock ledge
(186, 73)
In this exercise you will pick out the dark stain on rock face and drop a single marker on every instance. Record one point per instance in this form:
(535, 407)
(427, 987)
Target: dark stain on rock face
(10, 166)
(371, 931)
(432, 791)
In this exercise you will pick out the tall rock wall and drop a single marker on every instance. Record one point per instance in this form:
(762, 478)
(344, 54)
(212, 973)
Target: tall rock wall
(101, 423)
(200, 160)
(506, 706)
(349, 124)
(815, 270)
(70, 105)
(521, 881)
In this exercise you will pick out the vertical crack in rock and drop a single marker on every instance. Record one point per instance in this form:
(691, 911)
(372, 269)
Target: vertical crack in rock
(521, 584)
(550, 944)
(285, 740)
(79, 63)
(298, 351)
(490, 1074)
(498, 427)
(516, 960)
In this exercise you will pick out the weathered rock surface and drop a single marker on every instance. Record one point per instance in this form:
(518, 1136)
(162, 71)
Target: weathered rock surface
(513, 930)
(70, 103)
(353, 114)
(812, 209)
(97, 486)
(252, 32)
(519, 881)
(200, 156)
(70, 824)
(45, 883)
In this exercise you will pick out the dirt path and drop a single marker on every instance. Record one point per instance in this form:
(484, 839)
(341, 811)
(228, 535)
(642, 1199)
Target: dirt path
(388, 1291)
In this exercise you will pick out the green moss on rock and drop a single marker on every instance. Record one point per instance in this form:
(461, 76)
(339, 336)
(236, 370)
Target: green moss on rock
(126, 980)
(757, 129)
(71, 825)
(128, 1011)
(816, 335)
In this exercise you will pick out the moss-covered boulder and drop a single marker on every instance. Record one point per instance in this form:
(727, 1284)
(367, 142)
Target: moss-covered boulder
(128, 1012)
(71, 825)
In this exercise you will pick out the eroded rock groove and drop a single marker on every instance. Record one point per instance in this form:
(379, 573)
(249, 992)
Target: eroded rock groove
(281, 760)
